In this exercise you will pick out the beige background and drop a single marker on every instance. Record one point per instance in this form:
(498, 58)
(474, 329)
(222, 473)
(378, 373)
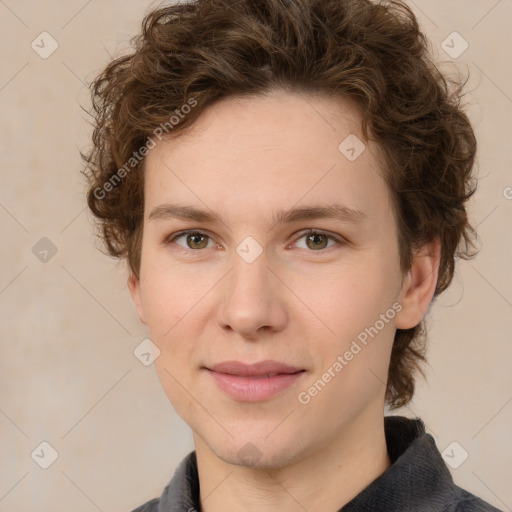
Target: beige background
(68, 328)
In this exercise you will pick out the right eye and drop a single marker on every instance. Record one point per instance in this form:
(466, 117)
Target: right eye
(192, 240)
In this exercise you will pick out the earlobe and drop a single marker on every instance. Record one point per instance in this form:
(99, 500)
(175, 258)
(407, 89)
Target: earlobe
(419, 285)
(134, 287)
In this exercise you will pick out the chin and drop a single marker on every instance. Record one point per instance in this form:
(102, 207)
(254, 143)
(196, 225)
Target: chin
(257, 452)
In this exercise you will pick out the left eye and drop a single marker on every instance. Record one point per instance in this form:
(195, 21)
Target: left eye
(316, 240)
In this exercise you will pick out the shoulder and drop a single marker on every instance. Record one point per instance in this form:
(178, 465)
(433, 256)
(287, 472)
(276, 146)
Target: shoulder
(150, 506)
(467, 502)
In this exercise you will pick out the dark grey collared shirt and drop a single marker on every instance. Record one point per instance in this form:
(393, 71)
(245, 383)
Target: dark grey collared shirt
(418, 480)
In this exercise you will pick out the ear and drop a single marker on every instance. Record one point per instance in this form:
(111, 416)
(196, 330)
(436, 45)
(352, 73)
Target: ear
(419, 285)
(134, 287)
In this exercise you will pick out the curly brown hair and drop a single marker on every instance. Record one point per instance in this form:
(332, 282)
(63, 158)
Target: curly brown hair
(190, 55)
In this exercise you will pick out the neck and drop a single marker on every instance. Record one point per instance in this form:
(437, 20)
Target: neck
(326, 479)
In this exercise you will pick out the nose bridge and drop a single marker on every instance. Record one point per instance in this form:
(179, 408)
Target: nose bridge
(251, 299)
(249, 280)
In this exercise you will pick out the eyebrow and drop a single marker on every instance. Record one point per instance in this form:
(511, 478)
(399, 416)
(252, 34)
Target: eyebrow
(330, 211)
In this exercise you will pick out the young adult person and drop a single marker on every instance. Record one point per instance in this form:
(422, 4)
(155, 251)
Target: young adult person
(287, 180)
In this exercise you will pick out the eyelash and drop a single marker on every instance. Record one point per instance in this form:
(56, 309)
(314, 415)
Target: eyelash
(339, 241)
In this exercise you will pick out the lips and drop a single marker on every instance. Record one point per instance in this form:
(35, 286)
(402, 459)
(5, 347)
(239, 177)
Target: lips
(254, 382)
(261, 369)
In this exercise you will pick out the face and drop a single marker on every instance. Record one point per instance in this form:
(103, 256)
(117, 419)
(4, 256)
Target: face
(263, 241)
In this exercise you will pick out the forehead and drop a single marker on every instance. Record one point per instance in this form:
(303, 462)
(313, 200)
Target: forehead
(266, 151)
(277, 121)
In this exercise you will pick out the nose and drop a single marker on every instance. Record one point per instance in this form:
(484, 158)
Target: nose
(252, 299)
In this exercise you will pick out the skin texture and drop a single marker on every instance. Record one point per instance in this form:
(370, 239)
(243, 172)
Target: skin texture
(301, 303)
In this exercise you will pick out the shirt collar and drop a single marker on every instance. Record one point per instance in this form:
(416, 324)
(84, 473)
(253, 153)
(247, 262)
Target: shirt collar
(417, 480)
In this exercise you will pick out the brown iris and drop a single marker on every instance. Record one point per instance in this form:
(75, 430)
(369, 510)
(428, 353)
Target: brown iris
(317, 240)
(197, 241)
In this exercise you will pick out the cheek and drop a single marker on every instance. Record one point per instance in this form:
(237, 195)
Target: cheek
(359, 309)
(170, 315)
(171, 295)
(358, 304)
(161, 306)
(352, 298)
(176, 304)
